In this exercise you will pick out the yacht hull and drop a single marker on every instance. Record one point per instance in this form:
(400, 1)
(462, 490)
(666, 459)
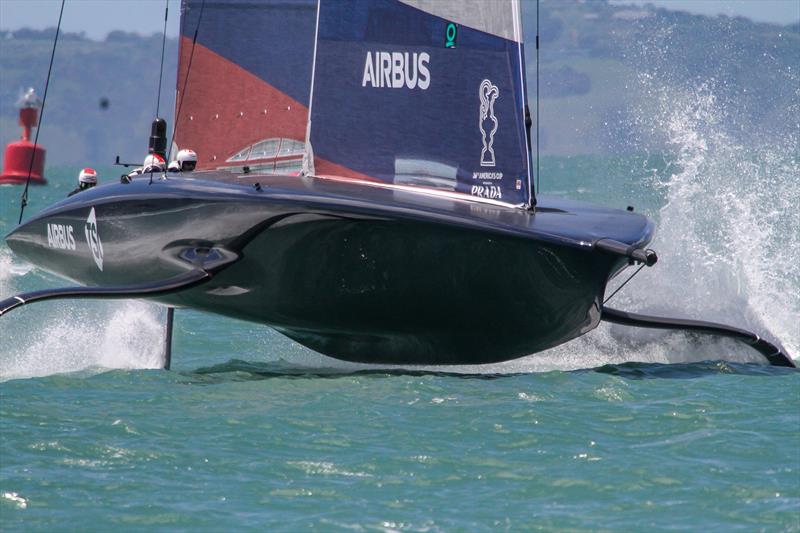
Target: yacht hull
(395, 277)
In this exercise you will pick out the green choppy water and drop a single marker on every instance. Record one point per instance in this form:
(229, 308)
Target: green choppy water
(706, 447)
(251, 431)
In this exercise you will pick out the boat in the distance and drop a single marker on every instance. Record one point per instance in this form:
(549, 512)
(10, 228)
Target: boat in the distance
(364, 186)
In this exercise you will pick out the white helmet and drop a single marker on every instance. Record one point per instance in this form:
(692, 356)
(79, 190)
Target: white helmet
(187, 159)
(153, 162)
(29, 99)
(87, 176)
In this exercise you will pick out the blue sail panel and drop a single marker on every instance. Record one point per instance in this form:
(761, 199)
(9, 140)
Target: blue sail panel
(406, 96)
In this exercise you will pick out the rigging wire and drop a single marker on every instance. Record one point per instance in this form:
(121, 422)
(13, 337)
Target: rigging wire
(185, 82)
(24, 199)
(538, 118)
(625, 282)
(163, 45)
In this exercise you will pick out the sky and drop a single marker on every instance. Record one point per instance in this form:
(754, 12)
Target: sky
(98, 17)
(94, 17)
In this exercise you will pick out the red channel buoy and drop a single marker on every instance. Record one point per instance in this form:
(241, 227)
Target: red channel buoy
(18, 154)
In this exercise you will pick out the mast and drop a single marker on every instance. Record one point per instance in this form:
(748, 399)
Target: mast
(526, 109)
(308, 156)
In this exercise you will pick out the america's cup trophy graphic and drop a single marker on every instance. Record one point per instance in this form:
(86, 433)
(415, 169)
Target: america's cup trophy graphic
(488, 93)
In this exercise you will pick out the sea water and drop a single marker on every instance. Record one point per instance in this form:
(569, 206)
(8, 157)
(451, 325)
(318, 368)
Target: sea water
(621, 429)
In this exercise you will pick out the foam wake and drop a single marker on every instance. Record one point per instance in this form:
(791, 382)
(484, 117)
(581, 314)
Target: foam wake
(68, 336)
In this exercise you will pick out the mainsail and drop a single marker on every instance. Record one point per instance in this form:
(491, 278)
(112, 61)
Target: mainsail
(244, 85)
(421, 93)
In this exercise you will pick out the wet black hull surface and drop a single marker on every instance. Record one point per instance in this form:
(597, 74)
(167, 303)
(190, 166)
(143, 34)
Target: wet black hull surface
(396, 278)
(395, 292)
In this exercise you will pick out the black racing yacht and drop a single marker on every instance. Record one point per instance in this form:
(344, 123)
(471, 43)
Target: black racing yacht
(364, 186)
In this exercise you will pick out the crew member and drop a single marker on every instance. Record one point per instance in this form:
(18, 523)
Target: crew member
(87, 178)
(152, 163)
(185, 161)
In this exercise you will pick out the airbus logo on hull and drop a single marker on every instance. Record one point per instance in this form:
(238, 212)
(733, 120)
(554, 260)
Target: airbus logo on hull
(396, 70)
(60, 236)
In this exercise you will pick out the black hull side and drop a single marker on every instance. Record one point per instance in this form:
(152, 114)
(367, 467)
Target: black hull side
(384, 291)
(383, 281)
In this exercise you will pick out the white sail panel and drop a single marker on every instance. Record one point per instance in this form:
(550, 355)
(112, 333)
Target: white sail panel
(496, 17)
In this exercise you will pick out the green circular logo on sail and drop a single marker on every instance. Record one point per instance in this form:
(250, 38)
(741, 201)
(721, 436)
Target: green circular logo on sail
(450, 35)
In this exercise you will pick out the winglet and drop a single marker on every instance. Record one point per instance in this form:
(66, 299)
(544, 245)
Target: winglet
(774, 354)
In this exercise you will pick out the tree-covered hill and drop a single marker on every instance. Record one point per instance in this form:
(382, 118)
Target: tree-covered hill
(124, 69)
(604, 68)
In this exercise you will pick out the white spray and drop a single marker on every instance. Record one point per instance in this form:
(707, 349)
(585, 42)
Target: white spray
(68, 336)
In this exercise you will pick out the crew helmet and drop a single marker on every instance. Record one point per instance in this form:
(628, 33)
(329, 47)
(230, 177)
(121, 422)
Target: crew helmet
(153, 162)
(187, 159)
(87, 176)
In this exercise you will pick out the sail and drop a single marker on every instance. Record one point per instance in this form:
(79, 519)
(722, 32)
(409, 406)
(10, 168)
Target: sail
(419, 93)
(245, 99)
(424, 93)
